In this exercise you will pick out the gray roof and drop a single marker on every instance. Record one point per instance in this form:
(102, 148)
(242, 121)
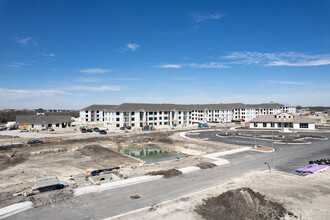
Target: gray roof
(275, 119)
(42, 119)
(127, 107)
(99, 107)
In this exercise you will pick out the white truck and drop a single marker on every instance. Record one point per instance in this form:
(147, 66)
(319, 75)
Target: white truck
(11, 125)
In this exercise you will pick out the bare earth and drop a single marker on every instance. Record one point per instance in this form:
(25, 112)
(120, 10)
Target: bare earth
(302, 197)
(71, 158)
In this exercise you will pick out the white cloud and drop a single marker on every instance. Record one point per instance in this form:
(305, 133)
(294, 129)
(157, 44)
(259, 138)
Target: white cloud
(288, 82)
(94, 71)
(184, 78)
(95, 88)
(18, 64)
(173, 66)
(87, 80)
(23, 41)
(214, 65)
(198, 17)
(32, 92)
(48, 54)
(124, 79)
(132, 46)
(278, 59)
(211, 65)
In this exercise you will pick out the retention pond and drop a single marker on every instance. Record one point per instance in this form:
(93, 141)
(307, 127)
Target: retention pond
(150, 154)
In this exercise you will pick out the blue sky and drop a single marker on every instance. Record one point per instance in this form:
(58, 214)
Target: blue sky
(70, 54)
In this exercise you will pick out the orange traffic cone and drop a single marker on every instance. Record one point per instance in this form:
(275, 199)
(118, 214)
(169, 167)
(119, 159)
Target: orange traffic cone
(98, 182)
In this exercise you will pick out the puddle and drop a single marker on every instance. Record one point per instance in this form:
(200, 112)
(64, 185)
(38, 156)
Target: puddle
(150, 154)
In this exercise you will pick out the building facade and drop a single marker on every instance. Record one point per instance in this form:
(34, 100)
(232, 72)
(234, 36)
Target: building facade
(138, 115)
(283, 121)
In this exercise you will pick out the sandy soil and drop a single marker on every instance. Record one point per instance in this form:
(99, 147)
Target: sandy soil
(303, 197)
(71, 158)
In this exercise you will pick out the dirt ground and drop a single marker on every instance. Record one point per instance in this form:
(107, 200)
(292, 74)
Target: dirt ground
(302, 197)
(72, 159)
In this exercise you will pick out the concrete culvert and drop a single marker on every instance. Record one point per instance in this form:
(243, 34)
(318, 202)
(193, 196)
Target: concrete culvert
(243, 203)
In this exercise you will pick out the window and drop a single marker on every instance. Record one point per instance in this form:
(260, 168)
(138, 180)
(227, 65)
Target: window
(151, 113)
(57, 125)
(117, 119)
(155, 113)
(303, 125)
(272, 124)
(155, 118)
(86, 111)
(150, 118)
(97, 111)
(179, 117)
(165, 118)
(117, 125)
(86, 119)
(179, 112)
(165, 113)
(132, 113)
(255, 124)
(165, 123)
(133, 119)
(160, 112)
(264, 124)
(117, 113)
(133, 125)
(160, 123)
(160, 118)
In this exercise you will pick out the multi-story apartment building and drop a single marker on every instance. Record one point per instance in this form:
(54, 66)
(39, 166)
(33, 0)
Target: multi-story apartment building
(165, 115)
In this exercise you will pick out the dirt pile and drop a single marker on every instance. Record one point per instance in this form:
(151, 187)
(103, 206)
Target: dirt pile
(205, 165)
(241, 203)
(166, 173)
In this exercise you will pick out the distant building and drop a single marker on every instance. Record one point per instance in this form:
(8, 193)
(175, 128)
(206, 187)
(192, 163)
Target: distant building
(166, 115)
(43, 121)
(283, 121)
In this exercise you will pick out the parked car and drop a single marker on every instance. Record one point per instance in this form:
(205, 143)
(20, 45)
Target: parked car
(83, 130)
(128, 127)
(89, 130)
(102, 132)
(23, 130)
(122, 128)
(35, 141)
(51, 129)
(96, 129)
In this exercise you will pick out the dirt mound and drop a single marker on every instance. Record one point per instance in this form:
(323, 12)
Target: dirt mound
(241, 203)
(166, 173)
(11, 160)
(50, 197)
(205, 165)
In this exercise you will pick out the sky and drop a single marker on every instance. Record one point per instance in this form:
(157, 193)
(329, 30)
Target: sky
(71, 54)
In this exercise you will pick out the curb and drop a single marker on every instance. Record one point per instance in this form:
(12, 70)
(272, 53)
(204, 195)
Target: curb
(15, 208)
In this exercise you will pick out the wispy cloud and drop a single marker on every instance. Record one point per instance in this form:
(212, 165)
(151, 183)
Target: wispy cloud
(32, 92)
(210, 65)
(87, 80)
(278, 59)
(94, 71)
(95, 88)
(25, 41)
(132, 46)
(198, 17)
(124, 79)
(48, 54)
(18, 65)
(288, 82)
(170, 66)
(184, 78)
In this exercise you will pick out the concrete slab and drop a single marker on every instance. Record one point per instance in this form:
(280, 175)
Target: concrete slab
(113, 185)
(15, 208)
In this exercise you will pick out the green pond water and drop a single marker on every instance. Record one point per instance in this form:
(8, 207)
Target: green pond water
(150, 154)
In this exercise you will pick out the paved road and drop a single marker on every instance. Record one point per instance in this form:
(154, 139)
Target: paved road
(113, 202)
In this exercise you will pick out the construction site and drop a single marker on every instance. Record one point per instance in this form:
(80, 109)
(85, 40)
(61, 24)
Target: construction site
(56, 169)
